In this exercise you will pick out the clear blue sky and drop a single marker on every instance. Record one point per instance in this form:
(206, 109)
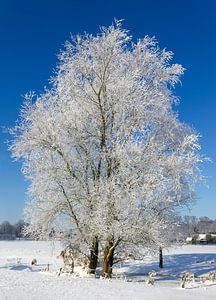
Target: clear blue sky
(33, 32)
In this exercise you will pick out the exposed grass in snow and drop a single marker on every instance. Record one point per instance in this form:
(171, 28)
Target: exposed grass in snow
(19, 280)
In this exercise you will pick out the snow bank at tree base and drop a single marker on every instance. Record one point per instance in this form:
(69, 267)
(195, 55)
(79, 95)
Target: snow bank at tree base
(21, 281)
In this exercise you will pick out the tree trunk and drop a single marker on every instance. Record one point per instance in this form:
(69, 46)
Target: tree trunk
(108, 259)
(160, 258)
(93, 257)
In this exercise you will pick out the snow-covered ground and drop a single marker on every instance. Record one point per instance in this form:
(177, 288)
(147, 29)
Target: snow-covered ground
(19, 280)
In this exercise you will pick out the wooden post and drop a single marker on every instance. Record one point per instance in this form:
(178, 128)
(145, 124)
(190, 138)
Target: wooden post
(160, 258)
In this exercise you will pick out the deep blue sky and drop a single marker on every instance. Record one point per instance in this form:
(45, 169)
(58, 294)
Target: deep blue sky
(33, 32)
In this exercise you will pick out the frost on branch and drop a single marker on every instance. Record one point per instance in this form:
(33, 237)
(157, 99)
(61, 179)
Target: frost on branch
(104, 148)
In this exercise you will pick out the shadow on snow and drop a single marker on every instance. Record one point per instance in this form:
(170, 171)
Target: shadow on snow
(174, 266)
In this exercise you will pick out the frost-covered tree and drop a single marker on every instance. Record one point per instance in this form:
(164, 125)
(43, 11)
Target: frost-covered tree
(6, 228)
(19, 227)
(105, 151)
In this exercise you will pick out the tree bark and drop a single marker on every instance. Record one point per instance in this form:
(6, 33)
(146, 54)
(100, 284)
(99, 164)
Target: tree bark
(108, 259)
(93, 257)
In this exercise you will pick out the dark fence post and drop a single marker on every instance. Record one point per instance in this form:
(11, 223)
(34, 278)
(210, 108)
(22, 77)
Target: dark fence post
(160, 258)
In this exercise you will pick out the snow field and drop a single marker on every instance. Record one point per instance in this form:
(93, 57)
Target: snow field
(19, 280)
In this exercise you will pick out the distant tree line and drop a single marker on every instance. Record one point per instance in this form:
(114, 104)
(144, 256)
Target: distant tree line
(9, 231)
(190, 225)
